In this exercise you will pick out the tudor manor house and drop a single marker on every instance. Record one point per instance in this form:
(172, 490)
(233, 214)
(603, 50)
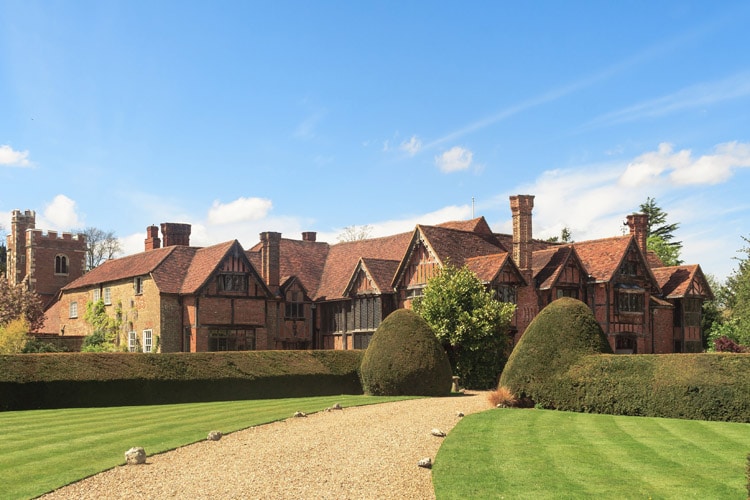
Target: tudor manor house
(306, 294)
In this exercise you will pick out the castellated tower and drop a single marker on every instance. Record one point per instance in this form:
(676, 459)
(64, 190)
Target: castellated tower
(45, 262)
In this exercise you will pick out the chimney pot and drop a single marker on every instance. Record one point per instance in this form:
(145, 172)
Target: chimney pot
(521, 207)
(152, 238)
(638, 224)
(309, 236)
(175, 234)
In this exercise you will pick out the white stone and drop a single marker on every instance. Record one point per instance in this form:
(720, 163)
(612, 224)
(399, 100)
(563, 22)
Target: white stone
(214, 435)
(425, 463)
(135, 456)
(437, 433)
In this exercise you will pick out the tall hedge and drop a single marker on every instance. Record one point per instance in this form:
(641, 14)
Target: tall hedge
(556, 339)
(33, 381)
(404, 358)
(710, 386)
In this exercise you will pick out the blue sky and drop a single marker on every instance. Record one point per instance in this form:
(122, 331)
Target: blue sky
(242, 117)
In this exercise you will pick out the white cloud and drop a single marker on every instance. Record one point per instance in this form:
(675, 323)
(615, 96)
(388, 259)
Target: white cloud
(455, 159)
(680, 168)
(412, 146)
(239, 210)
(60, 214)
(11, 158)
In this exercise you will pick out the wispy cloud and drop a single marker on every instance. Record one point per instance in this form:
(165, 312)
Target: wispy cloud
(306, 129)
(12, 158)
(454, 160)
(412, 146)
(695, 96)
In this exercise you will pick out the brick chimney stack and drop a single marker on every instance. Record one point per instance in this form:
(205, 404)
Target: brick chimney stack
(175, 234)
(152, 238)
(269, 256)
(309, 236)
(638, 224)
(521, 207)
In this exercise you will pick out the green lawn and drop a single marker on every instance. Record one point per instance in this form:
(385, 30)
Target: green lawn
(550, 454)
(42, 450)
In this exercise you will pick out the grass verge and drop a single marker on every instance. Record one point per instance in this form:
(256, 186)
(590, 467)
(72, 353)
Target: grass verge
(41, 450)
(552, 454)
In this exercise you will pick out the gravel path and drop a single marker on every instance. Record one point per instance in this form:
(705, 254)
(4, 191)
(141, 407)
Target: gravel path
(359, 452)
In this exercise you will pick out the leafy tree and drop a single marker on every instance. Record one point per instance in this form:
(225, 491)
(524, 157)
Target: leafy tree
(733, 300)
(354, 233)
(100, 246)
(566, 236)
(660, 234)
(470, 323)
(19, 302)
(712, 315)
(13, 336)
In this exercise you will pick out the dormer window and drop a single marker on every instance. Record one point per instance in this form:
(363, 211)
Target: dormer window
(61, 264)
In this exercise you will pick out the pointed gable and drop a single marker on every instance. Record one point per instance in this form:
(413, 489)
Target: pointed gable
(478, 226)
(683, 281)
(372, 276)
(549, 266)
(344, 257)
(496, 268)
(602, 258)
(224, 257)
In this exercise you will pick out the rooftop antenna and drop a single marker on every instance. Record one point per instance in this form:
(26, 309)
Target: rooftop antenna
(472, 207)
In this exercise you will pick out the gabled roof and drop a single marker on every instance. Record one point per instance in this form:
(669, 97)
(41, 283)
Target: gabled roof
(344, 257)
(303, 259)
(454, 246)
(478, 225)
(175, 269)
(487, 267)
(380, 271)
(126, 267)
(602, 258)
(547, 264)
(681, 281)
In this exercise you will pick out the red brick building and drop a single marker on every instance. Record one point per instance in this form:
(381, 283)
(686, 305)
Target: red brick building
(44, 261)
(303, 294)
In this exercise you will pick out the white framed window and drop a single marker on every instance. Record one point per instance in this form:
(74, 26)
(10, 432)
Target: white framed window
(107, 296)
(138, 285)
(132, 342)
(147, 340)
(73, 309)
(97, 295)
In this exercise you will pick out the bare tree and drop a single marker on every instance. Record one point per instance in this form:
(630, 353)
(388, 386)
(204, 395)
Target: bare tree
(100, 246)
(355, 233)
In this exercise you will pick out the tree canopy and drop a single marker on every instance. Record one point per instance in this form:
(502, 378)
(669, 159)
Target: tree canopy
(100, 246)
(469, 322)
(19, 302)
(660, 233)
(355, 233)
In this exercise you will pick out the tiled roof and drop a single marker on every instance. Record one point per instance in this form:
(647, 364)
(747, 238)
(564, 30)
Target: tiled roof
(381, 271)
(547, 264)
(487, 267)
(455, 246)
(203, 263)
(343, 258)
(677, 281)
(601, 258)
(125, 267)
(506, 240)
(303, 259)
(478, 225)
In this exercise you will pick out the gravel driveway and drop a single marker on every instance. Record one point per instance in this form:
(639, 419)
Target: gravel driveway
(359, 452)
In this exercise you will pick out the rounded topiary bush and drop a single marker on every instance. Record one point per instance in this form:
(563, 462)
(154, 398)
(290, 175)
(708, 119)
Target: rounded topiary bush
(404, 358)
(555, 340)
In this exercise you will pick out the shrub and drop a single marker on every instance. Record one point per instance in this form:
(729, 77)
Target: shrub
(502, 397)
(725, 344)
(556, 339)
(405, 358)
(13, 336)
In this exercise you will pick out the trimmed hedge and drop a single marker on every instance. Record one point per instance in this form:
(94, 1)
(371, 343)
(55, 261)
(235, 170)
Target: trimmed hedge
(68, 380)
(556, 338)
(710, 386)
(404, 358)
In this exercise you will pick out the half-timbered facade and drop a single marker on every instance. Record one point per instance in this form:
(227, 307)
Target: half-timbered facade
(304, 294)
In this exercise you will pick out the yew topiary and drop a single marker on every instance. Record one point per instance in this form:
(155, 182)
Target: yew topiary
(404, 358)
(556, 339)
